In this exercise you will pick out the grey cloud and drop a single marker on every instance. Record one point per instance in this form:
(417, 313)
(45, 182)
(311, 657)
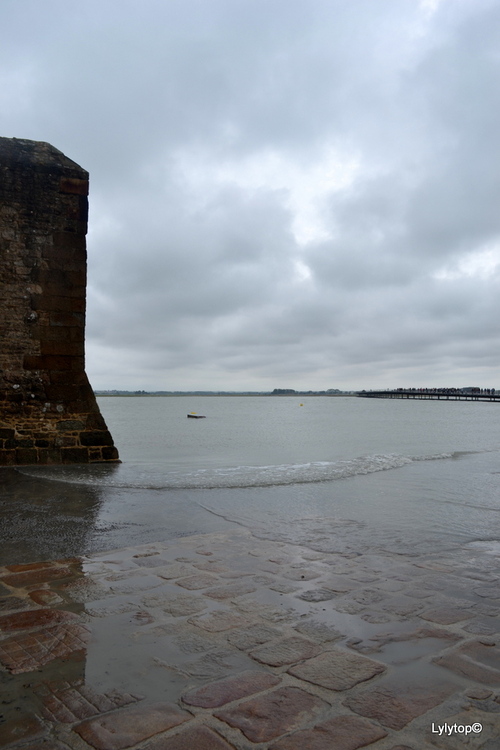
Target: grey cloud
(197, 276)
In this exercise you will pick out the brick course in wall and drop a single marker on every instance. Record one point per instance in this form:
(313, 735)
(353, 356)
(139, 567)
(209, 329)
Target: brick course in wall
(48, 411)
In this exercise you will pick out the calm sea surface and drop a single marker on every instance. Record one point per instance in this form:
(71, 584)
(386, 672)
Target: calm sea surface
(406, 474)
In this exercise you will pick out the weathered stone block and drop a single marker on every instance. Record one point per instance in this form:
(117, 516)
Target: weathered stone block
(98, 437)
(73, 185)
(70, 425)
(67, 319)
(7, 457)
(109, 453)
(337, 670)
(26, 456)
(74, 455)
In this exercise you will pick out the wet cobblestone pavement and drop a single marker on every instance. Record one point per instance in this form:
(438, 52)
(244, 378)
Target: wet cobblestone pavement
(233, 642)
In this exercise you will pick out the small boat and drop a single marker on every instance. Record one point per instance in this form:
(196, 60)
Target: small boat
(196, 416)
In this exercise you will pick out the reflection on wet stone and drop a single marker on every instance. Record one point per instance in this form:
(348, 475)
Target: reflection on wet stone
(33, 619)
(76, 701)
(59, 519)
(29, 652)
(23, 727)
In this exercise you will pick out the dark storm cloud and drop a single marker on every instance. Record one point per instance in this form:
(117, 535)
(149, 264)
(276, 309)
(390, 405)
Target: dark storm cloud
(282, 192)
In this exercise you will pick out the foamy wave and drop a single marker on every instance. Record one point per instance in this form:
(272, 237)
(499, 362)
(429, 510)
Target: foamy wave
(134, 477)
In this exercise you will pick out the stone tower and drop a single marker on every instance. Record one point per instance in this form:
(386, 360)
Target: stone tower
(48, 411)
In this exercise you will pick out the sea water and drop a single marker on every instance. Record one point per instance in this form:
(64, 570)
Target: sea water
(393, 474)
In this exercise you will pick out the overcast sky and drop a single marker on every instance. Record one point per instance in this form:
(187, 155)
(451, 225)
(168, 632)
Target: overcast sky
(284, 193)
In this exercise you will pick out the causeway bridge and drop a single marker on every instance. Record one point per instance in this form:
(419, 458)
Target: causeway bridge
(436, 394)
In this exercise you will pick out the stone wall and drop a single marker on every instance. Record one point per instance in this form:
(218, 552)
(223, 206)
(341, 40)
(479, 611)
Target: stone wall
(48, 411)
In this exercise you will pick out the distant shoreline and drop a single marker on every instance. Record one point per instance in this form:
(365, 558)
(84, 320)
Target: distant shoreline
(168, 394)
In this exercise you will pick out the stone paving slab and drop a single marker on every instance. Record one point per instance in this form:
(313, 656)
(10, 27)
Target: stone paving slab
(337, 670)
(266, 717)
(395, 704)
(216, 622)
(317, 595)
(344, 732)
(287, 651)
(219, 693)
(127, 727)
(192, 583)
(199, 738)
(231, 590)
(248, 638)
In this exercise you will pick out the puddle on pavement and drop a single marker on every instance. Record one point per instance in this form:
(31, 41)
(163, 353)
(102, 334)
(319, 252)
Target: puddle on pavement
(404, 652)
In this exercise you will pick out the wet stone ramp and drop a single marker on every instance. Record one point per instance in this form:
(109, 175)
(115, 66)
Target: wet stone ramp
(229, 641)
